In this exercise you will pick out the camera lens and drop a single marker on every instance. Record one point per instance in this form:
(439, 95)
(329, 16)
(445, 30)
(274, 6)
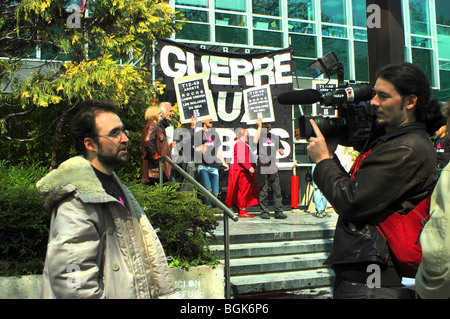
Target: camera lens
(330, 127)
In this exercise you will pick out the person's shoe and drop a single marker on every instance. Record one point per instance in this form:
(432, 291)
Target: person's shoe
(243, 213)
(265, 215)
(280, 215)
(319, 214)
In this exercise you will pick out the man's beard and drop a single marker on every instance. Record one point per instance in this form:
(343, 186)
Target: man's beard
(112, 160)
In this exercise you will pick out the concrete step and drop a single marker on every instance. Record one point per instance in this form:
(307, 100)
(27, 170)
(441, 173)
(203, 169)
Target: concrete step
(285, 281)
(274, 248)
(259, 237)
(284, 258)
(272, 264)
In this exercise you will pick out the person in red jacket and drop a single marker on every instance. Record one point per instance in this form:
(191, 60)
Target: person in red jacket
(242, 190)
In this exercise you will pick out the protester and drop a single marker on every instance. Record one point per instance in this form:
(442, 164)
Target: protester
(267, 145)
(101, 244)
(166, 119)
(433, 275)
(242, 190)
(184, 145)
(442, 142)
(396, 171)
(153, 145)
(209, 158)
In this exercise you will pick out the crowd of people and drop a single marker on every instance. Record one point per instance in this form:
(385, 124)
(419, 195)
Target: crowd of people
(98, 227)
(249, 174)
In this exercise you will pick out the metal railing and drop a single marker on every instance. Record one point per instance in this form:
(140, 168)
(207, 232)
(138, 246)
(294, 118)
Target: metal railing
(227, 213)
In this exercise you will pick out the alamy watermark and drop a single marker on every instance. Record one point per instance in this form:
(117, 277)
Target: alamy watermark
(74, 19)
(374, 279)
(374, 19)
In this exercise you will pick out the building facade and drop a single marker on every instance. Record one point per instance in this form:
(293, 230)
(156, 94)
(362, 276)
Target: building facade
(316, 27)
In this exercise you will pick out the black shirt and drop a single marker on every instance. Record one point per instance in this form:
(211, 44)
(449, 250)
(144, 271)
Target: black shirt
(211, 140)
(111, 187)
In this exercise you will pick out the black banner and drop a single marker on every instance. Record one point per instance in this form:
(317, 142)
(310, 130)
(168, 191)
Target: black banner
(229, 74)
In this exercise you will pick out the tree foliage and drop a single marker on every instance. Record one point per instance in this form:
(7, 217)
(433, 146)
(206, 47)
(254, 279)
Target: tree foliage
(106, 54)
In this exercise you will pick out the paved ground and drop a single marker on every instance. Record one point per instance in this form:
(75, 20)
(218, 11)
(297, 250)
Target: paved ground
(296, 219)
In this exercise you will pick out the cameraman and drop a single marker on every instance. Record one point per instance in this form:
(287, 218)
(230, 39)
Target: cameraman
(397, 171)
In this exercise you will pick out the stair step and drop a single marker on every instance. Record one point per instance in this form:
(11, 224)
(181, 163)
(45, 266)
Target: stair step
(257, 265)
(274, 248)
(255, 237)
(283, 281)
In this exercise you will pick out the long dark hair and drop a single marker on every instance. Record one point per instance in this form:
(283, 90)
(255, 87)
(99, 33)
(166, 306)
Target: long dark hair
(408, 79)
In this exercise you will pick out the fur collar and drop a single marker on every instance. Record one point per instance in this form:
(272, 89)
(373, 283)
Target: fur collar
(74, 174)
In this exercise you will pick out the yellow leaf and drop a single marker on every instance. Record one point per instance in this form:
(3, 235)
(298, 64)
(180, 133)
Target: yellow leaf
(25, 94)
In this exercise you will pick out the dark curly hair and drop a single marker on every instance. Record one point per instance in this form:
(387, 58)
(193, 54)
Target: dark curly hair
(408, 79)
(83, 123)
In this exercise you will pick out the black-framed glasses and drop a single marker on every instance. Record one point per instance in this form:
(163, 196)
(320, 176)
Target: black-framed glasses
(117, 134)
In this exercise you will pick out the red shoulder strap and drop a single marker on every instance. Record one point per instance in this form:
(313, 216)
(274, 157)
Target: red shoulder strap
(358, 161)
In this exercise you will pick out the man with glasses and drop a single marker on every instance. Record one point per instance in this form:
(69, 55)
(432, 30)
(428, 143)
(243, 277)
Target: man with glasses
(101, 244)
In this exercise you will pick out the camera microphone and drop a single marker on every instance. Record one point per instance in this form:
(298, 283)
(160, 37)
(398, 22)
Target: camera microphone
(308, 96)
(352, 93)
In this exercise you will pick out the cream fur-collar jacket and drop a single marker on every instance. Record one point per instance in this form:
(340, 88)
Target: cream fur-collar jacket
(96, 248)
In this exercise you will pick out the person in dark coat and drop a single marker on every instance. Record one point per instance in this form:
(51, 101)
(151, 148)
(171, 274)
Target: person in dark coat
(153, 145)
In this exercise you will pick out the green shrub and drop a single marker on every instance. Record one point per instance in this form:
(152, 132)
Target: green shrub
(183, 222)
(23, 221)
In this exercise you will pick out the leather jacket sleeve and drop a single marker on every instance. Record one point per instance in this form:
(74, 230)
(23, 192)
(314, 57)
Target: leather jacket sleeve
(148, 142)
(385, 179)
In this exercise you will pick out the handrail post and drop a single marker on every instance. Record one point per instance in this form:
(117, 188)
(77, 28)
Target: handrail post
(227, 257)
(160, 164)
(227, 213)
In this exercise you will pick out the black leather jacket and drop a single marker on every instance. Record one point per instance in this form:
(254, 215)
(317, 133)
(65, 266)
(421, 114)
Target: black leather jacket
(396, 176)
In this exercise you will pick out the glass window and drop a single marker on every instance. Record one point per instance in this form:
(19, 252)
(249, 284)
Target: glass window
(340, 48)
(231, 35)
(442, 12)
(267, 38)
(443, 38)
(301, 9)
(360, 34)
(230, 19)
(424, 59)
(420, 42)
(300, 65)
(419, 16)
(444, 65)
(444, 93)
(361, 61)
(194, 15)
(267, 7)
(334, 31)
(359, 13)
(266, 24)
(333, 11)
(302, 27)
(303, 45)
(234, 5)
(194, 31)
(194, 3)
(49, 52)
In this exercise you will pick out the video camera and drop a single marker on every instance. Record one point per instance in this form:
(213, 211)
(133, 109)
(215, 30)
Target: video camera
(353, 126)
